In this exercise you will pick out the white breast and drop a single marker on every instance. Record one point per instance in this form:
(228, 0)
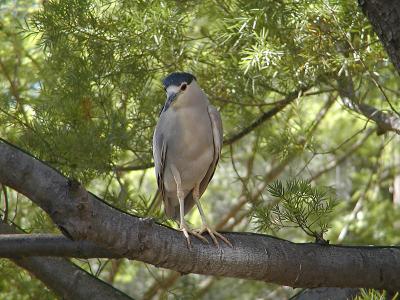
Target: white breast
(190, 146)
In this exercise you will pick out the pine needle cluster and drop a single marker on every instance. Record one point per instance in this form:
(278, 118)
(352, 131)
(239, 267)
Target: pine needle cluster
(296, 204)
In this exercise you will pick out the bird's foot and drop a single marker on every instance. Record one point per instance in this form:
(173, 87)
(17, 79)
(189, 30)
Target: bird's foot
(214, 234)
(186, 231)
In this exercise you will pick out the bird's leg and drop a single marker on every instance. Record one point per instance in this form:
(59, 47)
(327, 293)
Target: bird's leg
(181, 198)
(182, 224)
(212, 232)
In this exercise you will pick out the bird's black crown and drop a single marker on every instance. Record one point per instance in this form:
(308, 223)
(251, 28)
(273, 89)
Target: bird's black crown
(177, 78)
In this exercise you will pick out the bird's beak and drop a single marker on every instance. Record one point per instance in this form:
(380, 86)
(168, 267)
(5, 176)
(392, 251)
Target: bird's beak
(171, 97)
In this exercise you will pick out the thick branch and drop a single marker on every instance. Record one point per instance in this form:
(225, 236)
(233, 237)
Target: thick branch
(294, 258)
(17, 245)
(61, 276)
(254, 256)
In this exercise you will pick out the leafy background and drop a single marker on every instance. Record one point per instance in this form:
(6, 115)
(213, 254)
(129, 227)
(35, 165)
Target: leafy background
(80, 89)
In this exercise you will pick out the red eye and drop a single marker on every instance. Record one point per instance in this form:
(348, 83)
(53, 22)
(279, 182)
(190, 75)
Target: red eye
(183, 87)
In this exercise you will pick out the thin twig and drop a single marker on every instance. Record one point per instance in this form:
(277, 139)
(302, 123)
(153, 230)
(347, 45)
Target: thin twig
(343, 157)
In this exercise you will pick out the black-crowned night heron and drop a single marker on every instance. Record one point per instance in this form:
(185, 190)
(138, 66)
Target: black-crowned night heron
(187, 144)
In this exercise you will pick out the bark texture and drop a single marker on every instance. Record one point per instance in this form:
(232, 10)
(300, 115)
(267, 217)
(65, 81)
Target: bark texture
(19, 245)
(254, 256)
(384, 16)
(64, 278)
(67, 280)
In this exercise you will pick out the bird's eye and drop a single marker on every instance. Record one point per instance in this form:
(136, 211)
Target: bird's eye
(183, 87)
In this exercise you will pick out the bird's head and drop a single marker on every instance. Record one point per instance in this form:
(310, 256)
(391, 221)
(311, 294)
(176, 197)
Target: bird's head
(180, 86)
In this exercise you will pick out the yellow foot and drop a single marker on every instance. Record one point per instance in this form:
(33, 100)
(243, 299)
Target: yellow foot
(186, 231)
(214, 234)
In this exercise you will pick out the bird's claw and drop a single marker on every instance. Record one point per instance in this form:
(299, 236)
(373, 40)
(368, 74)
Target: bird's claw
(186, 234)
(214, 234)
(186, 231)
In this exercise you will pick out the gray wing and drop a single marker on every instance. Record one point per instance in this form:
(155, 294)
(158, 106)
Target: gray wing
(216, 125)
(159, 155)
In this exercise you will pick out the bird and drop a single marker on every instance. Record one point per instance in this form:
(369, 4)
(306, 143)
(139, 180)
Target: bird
(187, 145)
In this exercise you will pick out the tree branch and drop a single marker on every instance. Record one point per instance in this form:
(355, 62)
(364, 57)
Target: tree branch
(280, 105)
(265, 116)
(84, 216)
(23, 245)
(17, 245)
(340, 159)
(385, 121)
(58, 274)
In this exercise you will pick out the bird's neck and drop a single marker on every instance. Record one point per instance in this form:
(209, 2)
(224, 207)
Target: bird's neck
(196, 99)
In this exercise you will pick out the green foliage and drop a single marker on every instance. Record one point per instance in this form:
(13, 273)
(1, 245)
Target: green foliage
(16, 284)
(296, 204)
(376, 214)
(99, 104)
(375, 295)
(80, 88)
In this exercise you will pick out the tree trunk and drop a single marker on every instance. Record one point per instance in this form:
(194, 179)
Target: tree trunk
(384, 16)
